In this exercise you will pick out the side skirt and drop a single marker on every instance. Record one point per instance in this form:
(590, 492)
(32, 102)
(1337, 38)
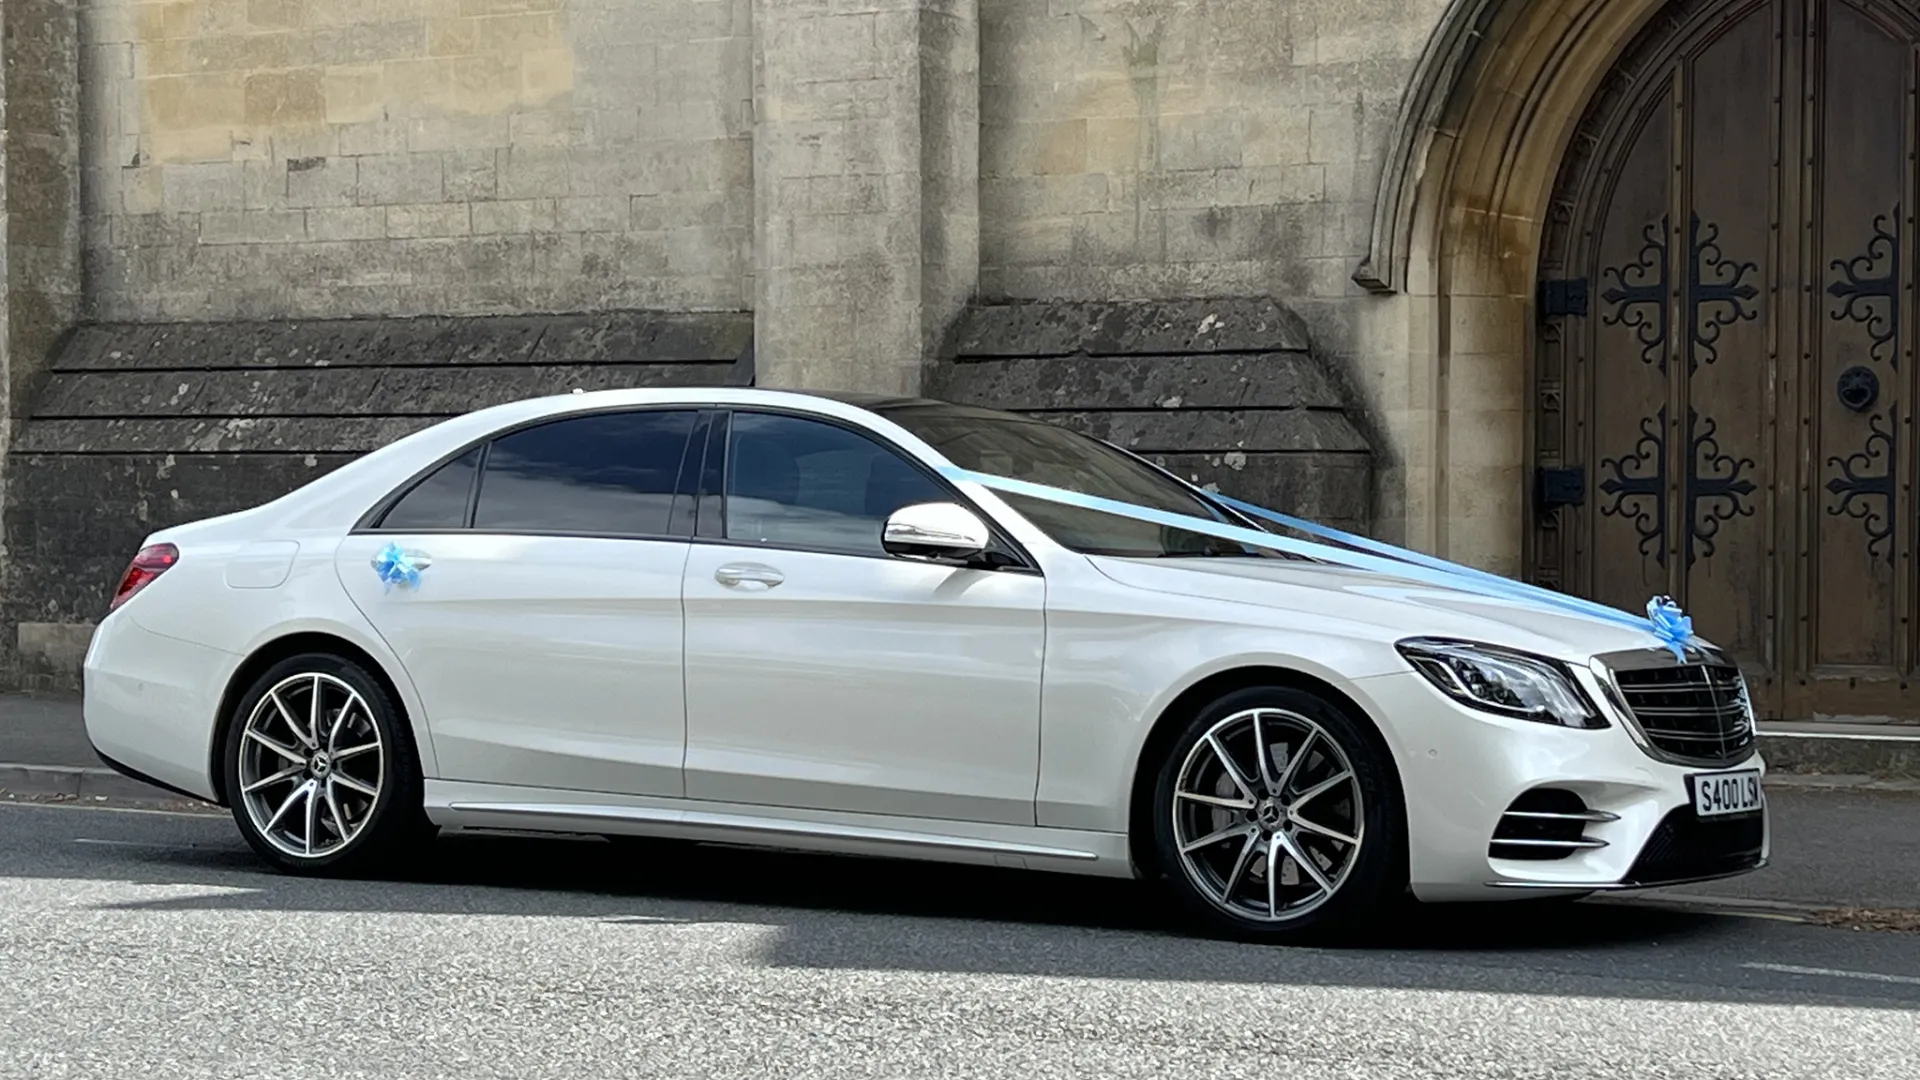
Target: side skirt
(464, 805)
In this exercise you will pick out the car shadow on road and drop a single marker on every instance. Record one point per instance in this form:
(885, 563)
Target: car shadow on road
(714, 882)
(839, 913)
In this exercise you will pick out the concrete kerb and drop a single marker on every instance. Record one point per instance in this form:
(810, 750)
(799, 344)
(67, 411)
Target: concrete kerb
(1833, 755)
(76, 782)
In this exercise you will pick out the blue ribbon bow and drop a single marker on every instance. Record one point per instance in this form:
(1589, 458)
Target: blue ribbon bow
(1670, 625)
(1664, 619)
(395, 568)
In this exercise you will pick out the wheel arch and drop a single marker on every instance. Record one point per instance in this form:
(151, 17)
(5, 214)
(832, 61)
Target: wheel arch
(273, 652)
(1185, 705)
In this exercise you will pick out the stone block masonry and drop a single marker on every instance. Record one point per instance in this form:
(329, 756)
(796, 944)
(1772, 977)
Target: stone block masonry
(283, 159)
(866, 186)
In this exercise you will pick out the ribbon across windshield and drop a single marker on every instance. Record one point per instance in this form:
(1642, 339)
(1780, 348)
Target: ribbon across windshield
(1664, 620)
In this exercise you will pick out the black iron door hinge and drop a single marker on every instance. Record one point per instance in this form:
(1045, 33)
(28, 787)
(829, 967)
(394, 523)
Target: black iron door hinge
(1560, 297)
(1557, 487)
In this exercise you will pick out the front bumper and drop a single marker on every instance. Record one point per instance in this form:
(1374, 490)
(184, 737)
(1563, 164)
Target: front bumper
(1462, 770)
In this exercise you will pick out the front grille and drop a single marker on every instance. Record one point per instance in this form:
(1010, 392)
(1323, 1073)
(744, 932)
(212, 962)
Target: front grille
(1545, 824)
(1687, 847)
(1694, 712)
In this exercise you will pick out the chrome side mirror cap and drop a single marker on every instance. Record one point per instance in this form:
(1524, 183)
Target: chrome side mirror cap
(935, 532)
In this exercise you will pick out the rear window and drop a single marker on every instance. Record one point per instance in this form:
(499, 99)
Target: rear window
(440, 501)
(605, 474)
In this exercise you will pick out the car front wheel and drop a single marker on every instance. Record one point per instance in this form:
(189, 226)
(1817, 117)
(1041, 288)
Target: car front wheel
(1276, 817)
(321, 771)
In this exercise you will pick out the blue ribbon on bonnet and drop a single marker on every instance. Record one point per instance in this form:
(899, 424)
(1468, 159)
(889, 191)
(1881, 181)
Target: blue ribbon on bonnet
(1664, 619)
(1670, 624)
(395, 568)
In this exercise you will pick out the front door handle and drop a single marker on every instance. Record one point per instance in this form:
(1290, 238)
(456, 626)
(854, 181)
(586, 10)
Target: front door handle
(750, 575)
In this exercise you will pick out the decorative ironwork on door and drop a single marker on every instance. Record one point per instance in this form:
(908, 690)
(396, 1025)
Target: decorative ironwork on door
(1716, 486)
(1740, 397)
(1718, 293)
(1866, 291)
(1873, 490)
(1873, 298)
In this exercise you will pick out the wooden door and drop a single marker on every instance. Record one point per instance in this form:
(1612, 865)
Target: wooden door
(1724, 376)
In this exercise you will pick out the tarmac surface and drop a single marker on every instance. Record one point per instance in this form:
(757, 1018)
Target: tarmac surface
(154, 945)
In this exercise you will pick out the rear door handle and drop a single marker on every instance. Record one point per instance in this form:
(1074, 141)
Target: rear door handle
(749, 575)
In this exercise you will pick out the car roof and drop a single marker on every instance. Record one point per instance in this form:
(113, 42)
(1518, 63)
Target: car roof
(879, 404)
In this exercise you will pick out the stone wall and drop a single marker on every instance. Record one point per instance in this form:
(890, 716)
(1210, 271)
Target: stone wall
(1209, 148)
(1226, 394)
(853, 173)
(320, 158)
(866, 183)
(140, 427)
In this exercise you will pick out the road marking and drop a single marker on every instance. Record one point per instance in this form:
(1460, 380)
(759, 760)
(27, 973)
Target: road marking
(1836, 973)
(123, 843)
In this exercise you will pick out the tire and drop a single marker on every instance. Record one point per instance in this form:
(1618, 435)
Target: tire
(1224, 884)
(312, 798)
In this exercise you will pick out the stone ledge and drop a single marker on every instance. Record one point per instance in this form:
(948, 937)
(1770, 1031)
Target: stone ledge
(1807, 749)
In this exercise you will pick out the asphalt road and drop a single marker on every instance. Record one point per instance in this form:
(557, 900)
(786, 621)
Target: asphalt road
(147, 945)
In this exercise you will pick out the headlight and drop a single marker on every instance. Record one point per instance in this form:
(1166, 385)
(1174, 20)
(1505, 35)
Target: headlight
(1507, 683)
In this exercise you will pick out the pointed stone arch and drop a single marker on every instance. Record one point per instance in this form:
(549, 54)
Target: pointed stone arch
(1499, 87)
(1461, 209)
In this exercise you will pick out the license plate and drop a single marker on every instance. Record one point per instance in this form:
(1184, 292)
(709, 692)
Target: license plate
(1721, 794)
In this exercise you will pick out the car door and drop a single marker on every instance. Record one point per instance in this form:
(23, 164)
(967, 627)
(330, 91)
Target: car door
(823, 673)
(545, 636)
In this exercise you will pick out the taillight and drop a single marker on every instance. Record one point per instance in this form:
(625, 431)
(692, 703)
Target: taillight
(153, 560)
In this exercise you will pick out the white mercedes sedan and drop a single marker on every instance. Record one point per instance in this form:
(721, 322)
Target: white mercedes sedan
(792, 620)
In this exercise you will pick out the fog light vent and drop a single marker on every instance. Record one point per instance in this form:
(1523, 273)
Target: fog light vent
(1546, 824)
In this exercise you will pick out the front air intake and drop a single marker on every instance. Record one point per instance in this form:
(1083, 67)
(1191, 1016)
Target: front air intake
(1546, 824)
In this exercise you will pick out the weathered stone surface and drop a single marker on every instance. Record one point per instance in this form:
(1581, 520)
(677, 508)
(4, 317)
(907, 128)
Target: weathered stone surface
(1244, 406)
(866, 184)
(1128, 328)
(49, 649)
(331, 391)
(266, 434)
(653, 338)
(1219, 431)
(73, 521)
(608, 338)
(1332, 489)
(1219, 381)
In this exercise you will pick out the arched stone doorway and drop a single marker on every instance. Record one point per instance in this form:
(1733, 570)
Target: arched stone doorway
(1539, 142)
(1723, 379)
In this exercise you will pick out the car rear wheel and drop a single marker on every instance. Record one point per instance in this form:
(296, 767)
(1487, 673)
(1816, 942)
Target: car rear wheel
(321, 771)
(1276, 817)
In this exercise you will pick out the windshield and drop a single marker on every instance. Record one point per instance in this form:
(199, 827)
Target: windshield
(981, 440)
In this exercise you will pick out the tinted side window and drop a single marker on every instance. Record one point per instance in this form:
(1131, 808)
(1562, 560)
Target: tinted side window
(806, 484)
(439, 501)
(610, 473)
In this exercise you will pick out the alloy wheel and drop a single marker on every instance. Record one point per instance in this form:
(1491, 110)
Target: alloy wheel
(1268, 815)
(311, 765)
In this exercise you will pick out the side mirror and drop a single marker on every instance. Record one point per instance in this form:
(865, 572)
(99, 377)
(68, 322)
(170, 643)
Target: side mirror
(935, 532)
